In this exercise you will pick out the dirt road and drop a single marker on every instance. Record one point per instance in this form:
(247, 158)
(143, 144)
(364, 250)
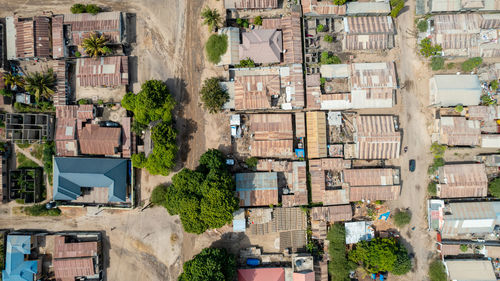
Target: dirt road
(415, 118)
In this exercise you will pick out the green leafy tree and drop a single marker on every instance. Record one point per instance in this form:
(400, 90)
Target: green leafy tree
(464, 248)
(242, 22)
(437, 271)
(78, 9)
(327, 58)
(95, 45)
(396, 7)
(487, 100)
(216, 46)
(251, 162)
(438, 149)
(257, 20)
(494, 85)
(339, 266)
(92, 9)
(213, 95)
(40, 84)
(459, 108)
(402, 218)
(246, 63)
(471, 64)
(203, 198)
(432, 188)
(6, 92)
(402, 265)
(494, 187)
(437, 63)
(211, 18)
(210, 265)
(377, 255)
(339, 2)
(427, 49)
(139, 160)
(320, 28)
(12, 80)
(422, 25)
(328, 38)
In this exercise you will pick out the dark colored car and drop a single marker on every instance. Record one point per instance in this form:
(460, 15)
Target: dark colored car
(412, 165)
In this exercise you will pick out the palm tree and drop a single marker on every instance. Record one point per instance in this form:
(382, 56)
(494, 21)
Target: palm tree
(95, 45)
(40, 84)
(13, 80)
(211, 18)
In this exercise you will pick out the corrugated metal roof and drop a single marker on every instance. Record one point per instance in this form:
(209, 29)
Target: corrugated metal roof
(97, 140)
(366, 8)
(369, 177)
(103, 71)
(490, 140)
(68, 269)
(373, 76)
(254, 91)
(62, 249)
(451, 90)
(316, 134)
(376, 137)
(460, 131)
(300, 124)
(292, 38)
(57, 37)
(471, 270)
(369, 25)
(271, 126)
(463, 180)
(313, 7)
(251, 4)
(108, 24)
(332, 213)
(470, 217)
(257, 189)
(60, 97)
(231, 57)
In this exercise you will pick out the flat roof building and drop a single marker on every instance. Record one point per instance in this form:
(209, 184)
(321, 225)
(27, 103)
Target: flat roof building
(452, 90)
(470, 270)
(257, 189)
(465, 218)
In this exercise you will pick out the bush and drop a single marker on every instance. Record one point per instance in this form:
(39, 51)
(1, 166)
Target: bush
(427, 49)
(396, 7)
(494, 187)
(339, 267)
(257, 20)
(471, 64)
(437, 63)
(339, 2)
(438, 149)
(159, 195)
(139, 160)
(19, 201)
(212, 95)
(203, 198)
(78, 9)
(464, 248)
(432, 188)
(459, 108)
(381, 255)
(40, 210)
(320, 28)
(450, 65)
(422, 25)
(322, 80)
(438, 162)
(251, 162)
(494, 85)
(246, 63)
(403, 262)
(242, 22)
(83, 101)
(328, 38)
(211, 264)
(327, 58)
(49, 150)
(487, 100)
(216, 46)
(437, 271)
(92, 9)
(402, 218)
(6, 93)
(78, 54)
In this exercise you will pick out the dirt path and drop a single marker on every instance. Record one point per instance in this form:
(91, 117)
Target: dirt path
(27, 153)
(415, 118)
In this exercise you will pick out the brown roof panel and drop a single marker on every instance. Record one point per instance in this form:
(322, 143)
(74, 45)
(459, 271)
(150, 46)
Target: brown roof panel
(74, 250)
(107, 23)
(316, 134)
(463, 181)
(104, 71)
(25, 40)
(271, 126)
(377, 137)
(96, 140)
(57, 37)
(369, 177)
(292, 38)
(332, 213)
(251, 4)
(358, 193)
(255, 91)
(68, 269)
(365, 25)
(272, 148)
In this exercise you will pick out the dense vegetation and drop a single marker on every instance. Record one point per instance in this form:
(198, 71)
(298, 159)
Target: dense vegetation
(40, 210)
(402, 218)
(211, 18)
(212, 95)
(154, 103)
(494, 187)
(381, 255)
(81, 8)
(210, 265)
(422, 26)
(216, 46)
(257, 20)
(438, 151)
(396, 7)
(248, 62)
(203, 198)
(471, 64)
(437, 271)
(427, 49)
(327, 58)
(338, 267)
(437, 63)
(95, 45)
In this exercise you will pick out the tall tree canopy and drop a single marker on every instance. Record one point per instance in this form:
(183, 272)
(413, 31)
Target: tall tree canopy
(203, 198)
(210, 265)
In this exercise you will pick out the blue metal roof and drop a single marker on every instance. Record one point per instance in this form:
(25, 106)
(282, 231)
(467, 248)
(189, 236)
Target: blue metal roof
(72, 173)
(16, 268)
(256, 181)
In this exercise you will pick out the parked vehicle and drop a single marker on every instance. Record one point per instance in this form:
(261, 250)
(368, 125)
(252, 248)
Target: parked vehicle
(412, 165)
(108, 124)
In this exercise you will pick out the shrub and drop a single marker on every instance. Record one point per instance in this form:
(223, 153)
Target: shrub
(487, 100)
(257, 20)
(427, 49)
(438, 149)
(78, 54)
(322, 80)
(6, 92)
(494, 187)
(438, 162)
(402, 265)
(494, 85)
(459, 108)
(212, 95)
(100, 102)
(471, 64)
(92, 9)
(40, 210)
(437, 63)
(381, 255)
(139, 160)
(251, 162)
(320, 28)
(328, 38)
(450, 65)
(246, 63)
(83, 101)
(339, 2)
(402, 218)
(396, 7)
(242, 22)
(78, 9)
(432, 188)
(422, 25)
(210, 264)
(216, 46)
(340, 267)
(19, 201)
(49, 150)
(463, 248)
(327, 58)
(437, 271)
(159, 195)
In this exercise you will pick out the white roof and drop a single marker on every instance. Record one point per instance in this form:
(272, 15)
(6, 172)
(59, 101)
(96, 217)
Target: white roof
(335, 71)
(365, 8)
(490, 140)
(470, 270)
(452, 90)
(358, 231)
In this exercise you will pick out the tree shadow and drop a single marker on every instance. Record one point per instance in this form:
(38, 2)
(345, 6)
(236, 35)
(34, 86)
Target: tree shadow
(233, 242)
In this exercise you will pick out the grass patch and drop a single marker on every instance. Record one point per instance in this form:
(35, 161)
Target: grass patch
(24, 162)
(437, 272)
(216, 46)
(38, 210)
(402, 218)
(23, 145)
(37, 151)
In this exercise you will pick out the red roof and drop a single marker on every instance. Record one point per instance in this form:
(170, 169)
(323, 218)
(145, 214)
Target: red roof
(98, 140)
(261, 274)
(104, 71)
(68, 269)
(73, 250)
(298, 276)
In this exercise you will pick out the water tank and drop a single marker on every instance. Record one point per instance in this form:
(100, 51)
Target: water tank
(253, 262)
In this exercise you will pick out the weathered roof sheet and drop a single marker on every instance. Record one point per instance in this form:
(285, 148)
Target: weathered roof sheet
(332, 213)
(369, 177)
(257, 189)
(470, 217)
(63, 249)
(369, 25)
(104, 71)
(261, 274)
(107, 23)
(251, 4)
(32, 37)
(373, 76)
(462, 180)
(313, 7)
(459, 131)
(254, 91)
(317, 169)
(470, 270)
(68, 269)
(57, 37)
(316, 134)
(97, 140)
(376, 137)
(490, 140)
(232, 55)
(272, 135)
(262, 46)
(366, 8)
(292, 38)
(60, 97)
(451, 90)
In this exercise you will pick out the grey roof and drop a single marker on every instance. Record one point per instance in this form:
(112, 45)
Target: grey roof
(470, 270)
(368, 8)
(71, 174)
(470, 217)
(452, 90)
